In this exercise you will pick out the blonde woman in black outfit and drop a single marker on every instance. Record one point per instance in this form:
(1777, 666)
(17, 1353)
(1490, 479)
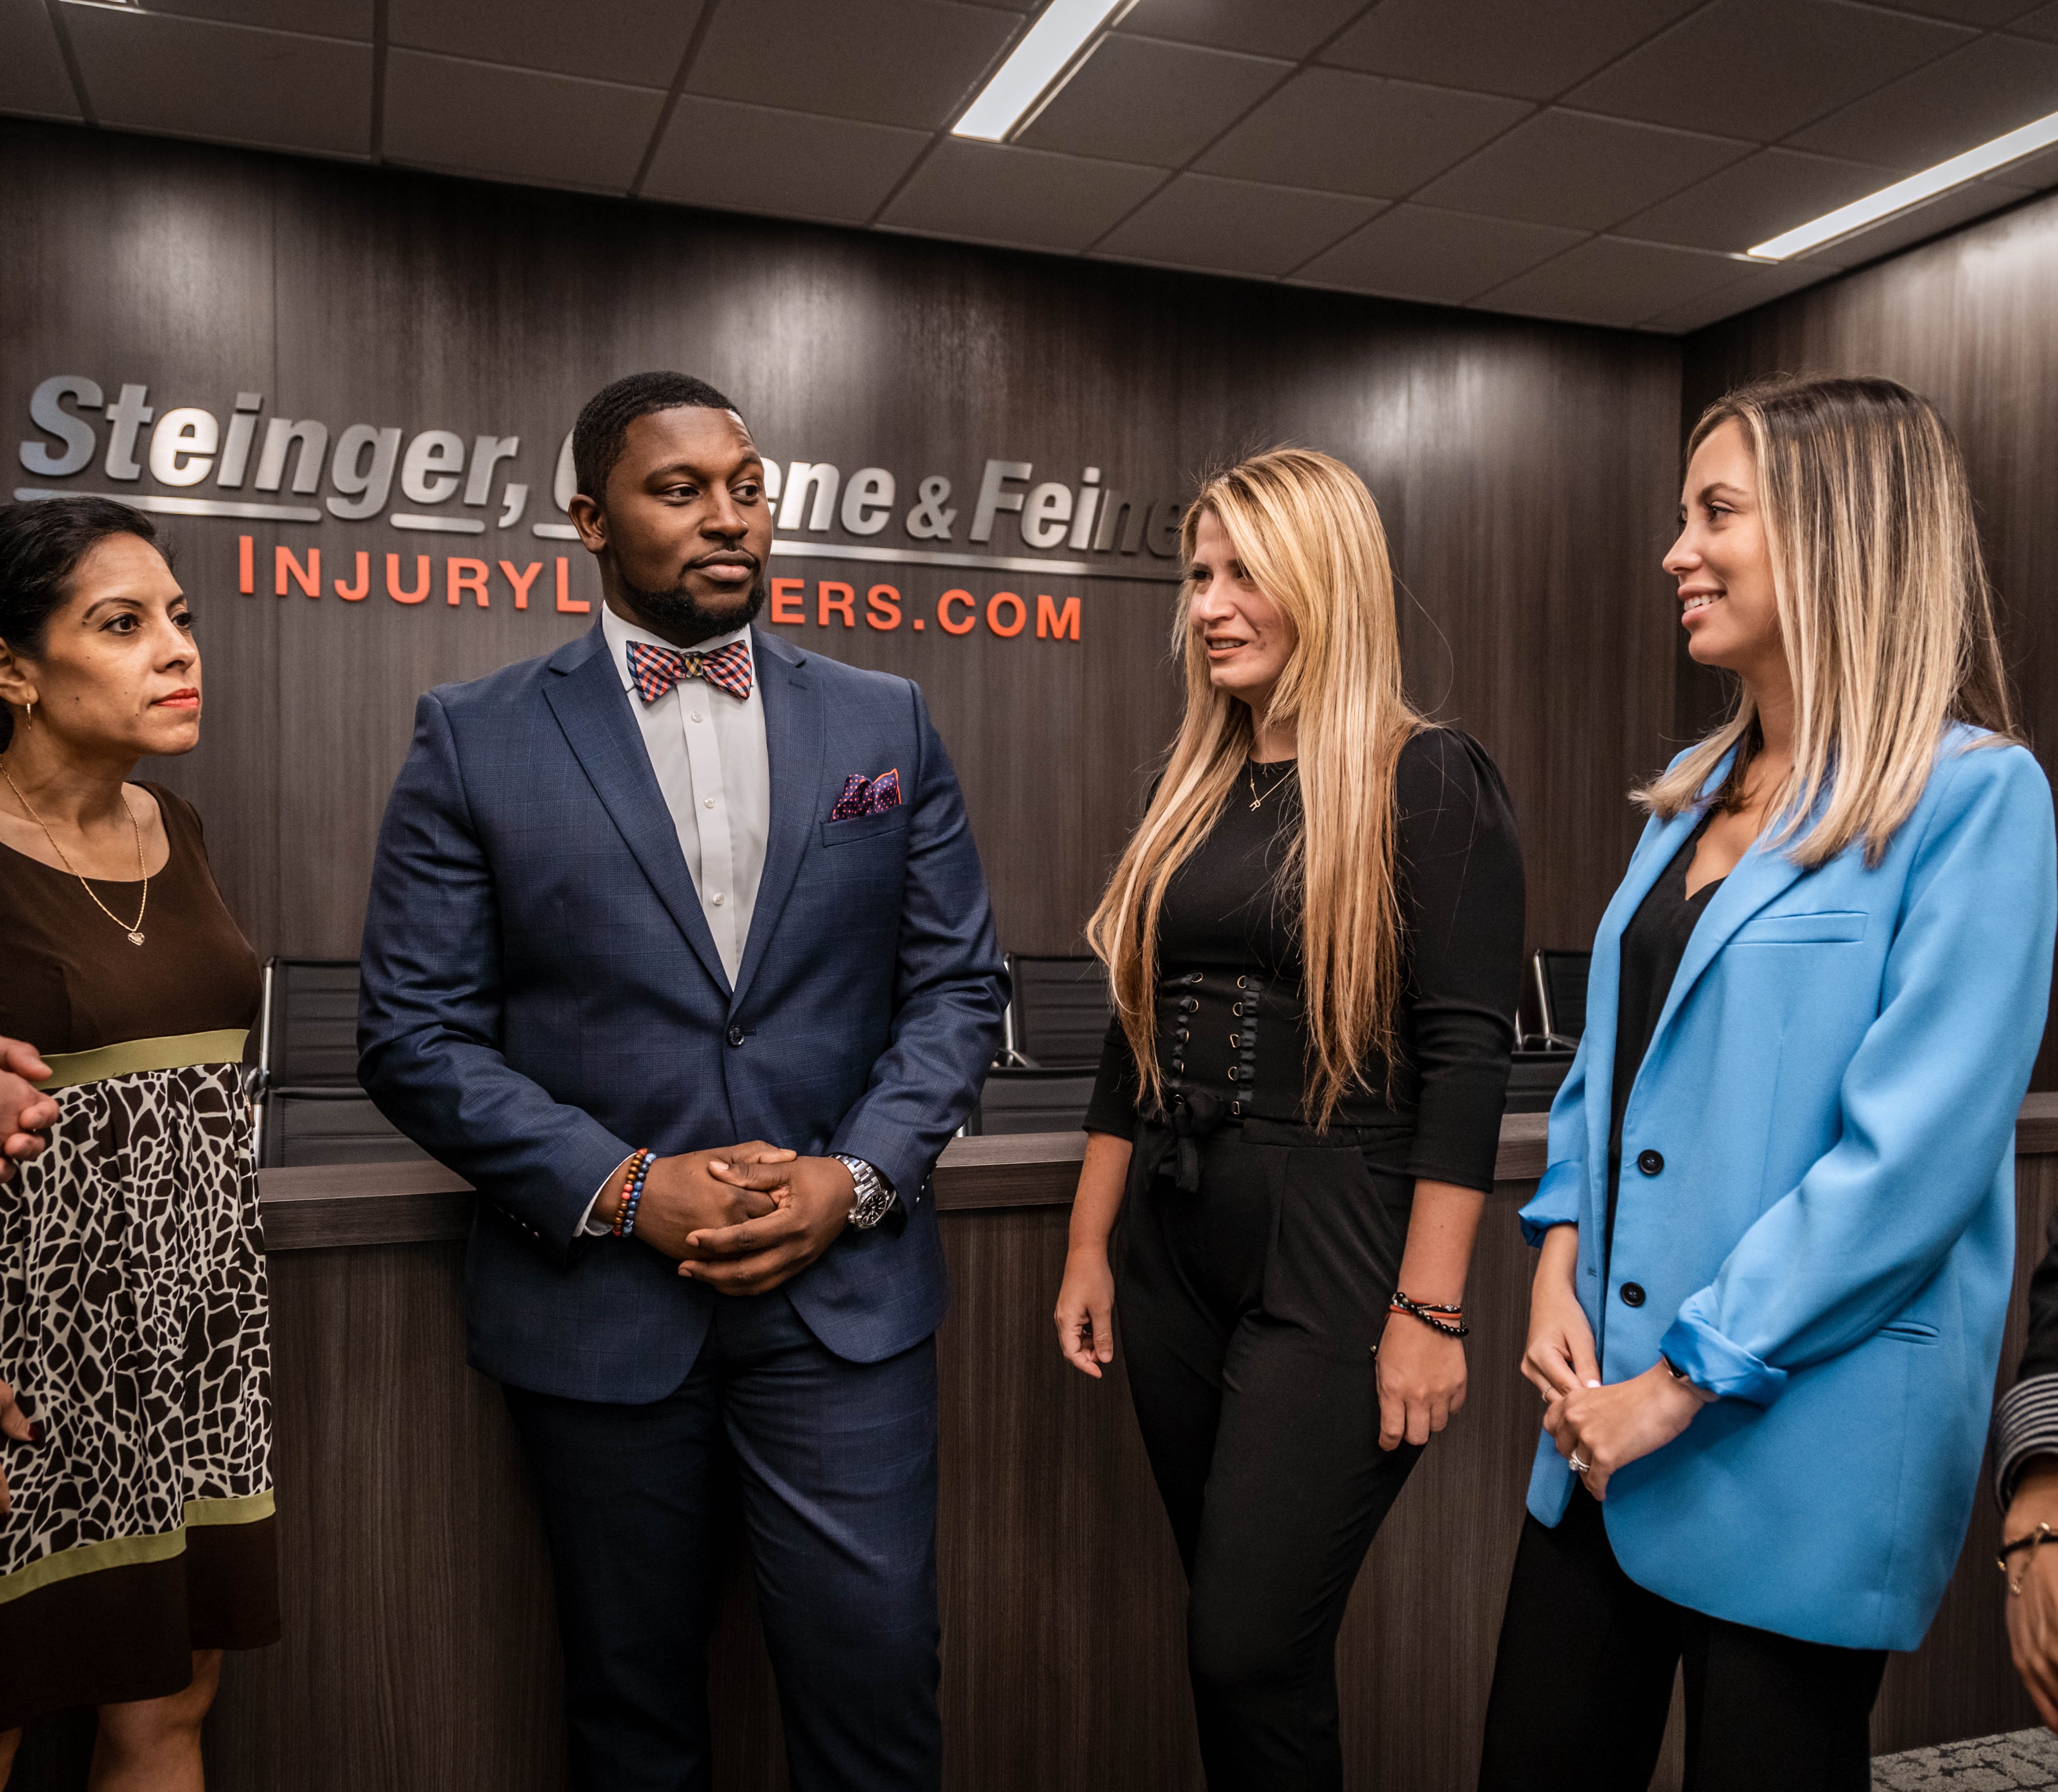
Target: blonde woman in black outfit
(1313, 939)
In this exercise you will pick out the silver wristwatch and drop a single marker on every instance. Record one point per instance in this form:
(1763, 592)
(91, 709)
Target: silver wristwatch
(874, 1197)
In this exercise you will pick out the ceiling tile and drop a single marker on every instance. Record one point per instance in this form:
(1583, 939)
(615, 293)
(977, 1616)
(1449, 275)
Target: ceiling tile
(1760, 286)
(515, 123)
(1987, 12)
(1237, 227)
(1572, 168)
(32, 79)
(1271, 27)
(1762, 68)
(1993, 85)
(894, 61)
(2042, 23)
(1140, 99)
(1605, 280)
(996, 192)
(1766, 193)
(1504, 46)
(1358, 133)
(753, 158)
(637, 42)
(226, 83)
(1412, 251)
(321, 18)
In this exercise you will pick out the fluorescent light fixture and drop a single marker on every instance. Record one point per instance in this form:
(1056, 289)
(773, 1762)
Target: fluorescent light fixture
(1862, 212)
(1041, 57)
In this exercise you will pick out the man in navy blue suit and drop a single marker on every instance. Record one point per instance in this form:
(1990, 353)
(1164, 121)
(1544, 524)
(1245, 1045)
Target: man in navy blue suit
(679, 949)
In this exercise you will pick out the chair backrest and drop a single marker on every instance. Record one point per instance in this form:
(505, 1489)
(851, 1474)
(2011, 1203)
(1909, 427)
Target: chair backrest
(1032, 1101)
(1533, 1078)
(310, 1038)
(314, 1111)
(1561, 991)
(1058, 1015)
(347, 1129)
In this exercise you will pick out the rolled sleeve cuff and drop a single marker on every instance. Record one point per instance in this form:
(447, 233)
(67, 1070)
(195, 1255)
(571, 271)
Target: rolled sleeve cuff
(2025, 1424)
(1716, 1364)
(1555, 1202)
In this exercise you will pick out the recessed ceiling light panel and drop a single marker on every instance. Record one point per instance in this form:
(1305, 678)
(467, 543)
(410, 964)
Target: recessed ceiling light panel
(1051, 49)
(1861, 214)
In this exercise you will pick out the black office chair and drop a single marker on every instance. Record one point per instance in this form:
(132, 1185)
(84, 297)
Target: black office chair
(1533, 1078)
(1032, 1098)
(312, 1110)
(1561, 996)
(1058, 1015)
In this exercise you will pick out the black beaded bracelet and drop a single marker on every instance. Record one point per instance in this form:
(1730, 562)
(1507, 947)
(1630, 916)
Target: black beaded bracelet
(1430, 1315)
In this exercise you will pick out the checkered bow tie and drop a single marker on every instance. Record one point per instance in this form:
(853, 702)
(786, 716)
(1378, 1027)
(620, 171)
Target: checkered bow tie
(656, 669)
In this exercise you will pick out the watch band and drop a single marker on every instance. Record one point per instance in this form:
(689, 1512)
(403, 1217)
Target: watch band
(872, 1198)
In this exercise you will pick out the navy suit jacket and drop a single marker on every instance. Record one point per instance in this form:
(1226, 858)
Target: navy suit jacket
(542, 995)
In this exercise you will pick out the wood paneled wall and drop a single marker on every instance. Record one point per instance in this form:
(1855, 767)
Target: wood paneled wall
(1970, 321)
(1524, 470)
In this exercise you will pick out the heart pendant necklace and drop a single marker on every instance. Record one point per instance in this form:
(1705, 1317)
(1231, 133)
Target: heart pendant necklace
(135, 933)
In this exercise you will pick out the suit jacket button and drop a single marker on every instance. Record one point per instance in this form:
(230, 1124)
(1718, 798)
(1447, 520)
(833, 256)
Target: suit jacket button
(1632, 1294)
(736, 1036)
(1650, 1162)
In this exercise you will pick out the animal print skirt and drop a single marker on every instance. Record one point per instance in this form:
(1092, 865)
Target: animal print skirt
(133, 1330)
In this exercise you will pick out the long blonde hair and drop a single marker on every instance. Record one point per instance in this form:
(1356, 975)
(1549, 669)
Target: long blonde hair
(1309, 537)
(1883, 604)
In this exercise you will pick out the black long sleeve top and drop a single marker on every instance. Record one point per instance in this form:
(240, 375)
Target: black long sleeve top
(1230, 966)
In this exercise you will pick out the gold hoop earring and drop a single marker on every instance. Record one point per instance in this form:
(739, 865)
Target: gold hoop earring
(28, 715)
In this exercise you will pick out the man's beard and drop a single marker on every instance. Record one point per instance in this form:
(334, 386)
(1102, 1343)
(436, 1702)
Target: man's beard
(681, 618)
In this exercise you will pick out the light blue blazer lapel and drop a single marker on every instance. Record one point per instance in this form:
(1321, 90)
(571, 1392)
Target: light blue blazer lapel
(1760, 876)
(1604, 984)
(592, 709)
(793, 750)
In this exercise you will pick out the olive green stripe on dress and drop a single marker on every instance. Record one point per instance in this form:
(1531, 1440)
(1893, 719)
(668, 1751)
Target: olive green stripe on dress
(131, 1057)
(246, 1510)
(67, 1564)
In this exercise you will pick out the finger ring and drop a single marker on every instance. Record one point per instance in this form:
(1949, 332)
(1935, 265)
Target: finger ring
(1579, 1468)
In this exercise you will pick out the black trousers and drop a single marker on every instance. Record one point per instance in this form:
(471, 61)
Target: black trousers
(1248, 1312)
(1583, 1684)
(827, 1469)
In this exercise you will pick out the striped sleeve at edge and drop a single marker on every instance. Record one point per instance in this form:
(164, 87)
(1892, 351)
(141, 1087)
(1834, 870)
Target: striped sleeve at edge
(2025, 1424)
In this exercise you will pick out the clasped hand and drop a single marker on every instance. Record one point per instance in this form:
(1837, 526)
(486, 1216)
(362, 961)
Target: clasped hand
(749, 1217)
(26, 1113)
(1606, 1427)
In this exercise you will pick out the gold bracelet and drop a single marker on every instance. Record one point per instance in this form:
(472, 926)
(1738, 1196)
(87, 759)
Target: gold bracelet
(2033, 1542)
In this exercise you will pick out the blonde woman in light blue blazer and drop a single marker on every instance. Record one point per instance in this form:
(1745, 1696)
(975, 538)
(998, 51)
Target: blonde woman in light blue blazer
(1777, 1223)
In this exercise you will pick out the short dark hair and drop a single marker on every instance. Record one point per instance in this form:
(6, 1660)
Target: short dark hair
(40, 546)
(597, 435)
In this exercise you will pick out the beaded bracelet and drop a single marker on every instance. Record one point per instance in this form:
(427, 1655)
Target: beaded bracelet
(1448, 1320)
(632, 1192)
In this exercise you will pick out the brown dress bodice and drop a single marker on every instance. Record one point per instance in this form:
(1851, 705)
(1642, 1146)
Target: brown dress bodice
(70, 980)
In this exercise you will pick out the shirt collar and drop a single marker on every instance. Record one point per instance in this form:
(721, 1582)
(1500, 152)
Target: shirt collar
(618, 632)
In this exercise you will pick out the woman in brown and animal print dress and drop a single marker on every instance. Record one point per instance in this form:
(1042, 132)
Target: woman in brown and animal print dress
(136, 1517)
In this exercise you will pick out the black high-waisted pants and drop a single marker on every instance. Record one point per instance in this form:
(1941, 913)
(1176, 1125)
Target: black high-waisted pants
(1248, 1310)
(1583, 1684)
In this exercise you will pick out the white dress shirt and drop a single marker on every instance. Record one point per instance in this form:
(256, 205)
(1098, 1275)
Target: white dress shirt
(708, 750)
(714, 772)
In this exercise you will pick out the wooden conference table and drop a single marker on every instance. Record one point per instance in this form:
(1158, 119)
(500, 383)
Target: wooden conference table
(420, 1650)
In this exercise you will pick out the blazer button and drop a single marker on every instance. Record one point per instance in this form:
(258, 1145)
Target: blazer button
(1632, 1294)
(736, 1036)
(1650, 1162)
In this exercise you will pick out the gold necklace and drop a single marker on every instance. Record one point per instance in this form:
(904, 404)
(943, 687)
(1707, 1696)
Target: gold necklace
(135, 933)
(1250, 768)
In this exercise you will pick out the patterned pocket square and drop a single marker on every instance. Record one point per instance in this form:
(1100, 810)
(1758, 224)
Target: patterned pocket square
(864, 796)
